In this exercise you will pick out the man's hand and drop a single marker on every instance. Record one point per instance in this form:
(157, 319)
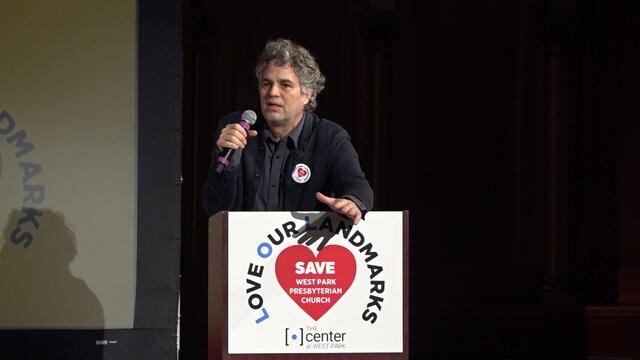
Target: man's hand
(344, 207)
(234, 136)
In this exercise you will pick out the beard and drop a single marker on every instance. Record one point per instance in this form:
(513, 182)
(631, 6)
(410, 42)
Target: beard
(279, 122)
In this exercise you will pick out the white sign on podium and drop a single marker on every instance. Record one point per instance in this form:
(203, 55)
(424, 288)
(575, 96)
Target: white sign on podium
(310, 282)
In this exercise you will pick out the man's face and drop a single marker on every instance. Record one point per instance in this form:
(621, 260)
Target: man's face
(280, 98)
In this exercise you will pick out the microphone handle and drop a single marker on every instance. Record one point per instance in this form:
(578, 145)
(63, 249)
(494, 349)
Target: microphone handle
(223, 160)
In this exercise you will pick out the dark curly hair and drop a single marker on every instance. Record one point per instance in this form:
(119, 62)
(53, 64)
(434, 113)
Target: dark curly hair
(286, 52)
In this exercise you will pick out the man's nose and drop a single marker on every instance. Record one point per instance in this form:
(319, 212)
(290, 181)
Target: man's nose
(273, 90)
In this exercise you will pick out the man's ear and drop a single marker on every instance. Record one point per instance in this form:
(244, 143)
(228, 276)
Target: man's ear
(307, 96)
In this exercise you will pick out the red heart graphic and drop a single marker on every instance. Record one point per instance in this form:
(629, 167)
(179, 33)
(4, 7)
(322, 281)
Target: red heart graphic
(315, 283)
(302, 172)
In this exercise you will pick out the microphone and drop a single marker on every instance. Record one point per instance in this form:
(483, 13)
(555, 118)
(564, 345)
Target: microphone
(247, 119)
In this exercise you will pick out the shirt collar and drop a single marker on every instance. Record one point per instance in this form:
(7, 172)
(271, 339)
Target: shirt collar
(294, 135)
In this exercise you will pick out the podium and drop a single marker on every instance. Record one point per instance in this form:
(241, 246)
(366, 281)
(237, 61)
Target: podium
(308, 285)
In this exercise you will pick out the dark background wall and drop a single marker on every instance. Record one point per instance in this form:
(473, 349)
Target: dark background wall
(509, 130)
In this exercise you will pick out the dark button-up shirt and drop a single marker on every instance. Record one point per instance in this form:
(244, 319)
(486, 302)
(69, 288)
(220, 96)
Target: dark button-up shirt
(269, 193)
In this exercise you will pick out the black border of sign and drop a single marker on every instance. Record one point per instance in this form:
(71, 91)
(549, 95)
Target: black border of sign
(159, 162)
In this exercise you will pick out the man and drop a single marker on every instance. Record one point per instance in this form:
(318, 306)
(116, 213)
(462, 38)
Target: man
(291, 159)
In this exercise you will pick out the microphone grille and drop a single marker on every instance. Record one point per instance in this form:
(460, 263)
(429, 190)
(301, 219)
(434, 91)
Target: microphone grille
(249, 116)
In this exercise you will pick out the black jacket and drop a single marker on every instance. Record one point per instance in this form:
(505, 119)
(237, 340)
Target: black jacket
(324, 146)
